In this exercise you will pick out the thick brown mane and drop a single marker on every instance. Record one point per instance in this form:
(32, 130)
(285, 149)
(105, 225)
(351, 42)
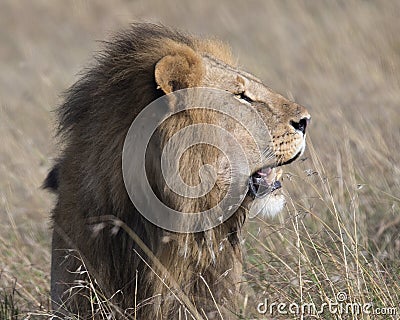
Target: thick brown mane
(94, 120)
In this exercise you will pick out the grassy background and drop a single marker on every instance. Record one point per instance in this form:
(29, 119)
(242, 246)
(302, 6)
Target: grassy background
(340, 229)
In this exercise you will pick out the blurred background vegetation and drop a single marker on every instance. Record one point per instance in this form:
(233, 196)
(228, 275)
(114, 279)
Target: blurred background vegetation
(341, 59)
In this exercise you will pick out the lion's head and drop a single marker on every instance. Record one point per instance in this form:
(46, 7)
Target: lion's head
(270, 128)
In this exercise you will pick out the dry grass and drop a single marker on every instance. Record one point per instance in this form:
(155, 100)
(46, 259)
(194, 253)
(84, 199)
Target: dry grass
(340, 230)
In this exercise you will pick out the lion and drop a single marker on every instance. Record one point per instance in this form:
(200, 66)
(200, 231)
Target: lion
(103, 248)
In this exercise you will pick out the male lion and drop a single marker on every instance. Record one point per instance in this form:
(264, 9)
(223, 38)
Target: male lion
(106, 256)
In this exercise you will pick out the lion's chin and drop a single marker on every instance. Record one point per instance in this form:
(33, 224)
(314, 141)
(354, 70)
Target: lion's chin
(267, 206)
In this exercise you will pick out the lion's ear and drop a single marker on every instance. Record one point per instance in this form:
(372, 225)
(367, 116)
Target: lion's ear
(179, 70)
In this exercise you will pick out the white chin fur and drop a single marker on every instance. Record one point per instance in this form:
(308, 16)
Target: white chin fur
(268, 206)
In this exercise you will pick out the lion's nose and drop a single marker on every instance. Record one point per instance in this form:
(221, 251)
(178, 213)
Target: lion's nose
(301, 125)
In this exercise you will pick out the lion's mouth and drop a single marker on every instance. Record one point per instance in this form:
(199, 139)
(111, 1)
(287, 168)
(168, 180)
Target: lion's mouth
(264, 181)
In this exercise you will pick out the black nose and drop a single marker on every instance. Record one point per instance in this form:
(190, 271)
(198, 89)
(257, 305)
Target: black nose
(301, 125)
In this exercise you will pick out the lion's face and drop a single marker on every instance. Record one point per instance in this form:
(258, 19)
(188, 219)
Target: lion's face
(286, 122)
(283, 128)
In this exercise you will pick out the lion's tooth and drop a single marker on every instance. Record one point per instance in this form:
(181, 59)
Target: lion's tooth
(270, 175)
(279, 173)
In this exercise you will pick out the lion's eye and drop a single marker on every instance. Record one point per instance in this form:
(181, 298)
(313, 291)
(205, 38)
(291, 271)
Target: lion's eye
(244, 97)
